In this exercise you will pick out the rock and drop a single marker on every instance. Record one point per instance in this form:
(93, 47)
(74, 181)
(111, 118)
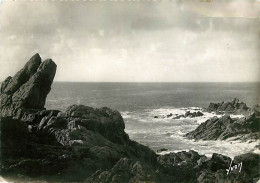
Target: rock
(5, 83)
(28, 89)
(225, 127)
(250, 165)
(125, 170)
(218, 161)
(12, 84)
(161, 150)
(223, 171)
(193, 114)
(202, 160)
(256, 109)
(189, 114)
(33, 93)
(179, 165)
(178, 116)
(169, 115)
(234, 107)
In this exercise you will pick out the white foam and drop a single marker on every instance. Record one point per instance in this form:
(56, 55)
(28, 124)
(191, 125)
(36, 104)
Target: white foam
(166, 111)
(125, 114)
(2, 180)
(229, 147)
(237, 116)
(179, 132)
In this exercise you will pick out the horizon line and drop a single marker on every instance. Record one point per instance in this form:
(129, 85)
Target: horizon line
(157, 81)
(153, 81)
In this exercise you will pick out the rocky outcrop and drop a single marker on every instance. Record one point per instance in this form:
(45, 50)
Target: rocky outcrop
(54, 144)
(225, 127)
(86, 144)
(234, 107)
(28, 89)
(188, 114)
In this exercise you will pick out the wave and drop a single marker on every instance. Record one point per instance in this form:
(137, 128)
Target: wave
(227, 147)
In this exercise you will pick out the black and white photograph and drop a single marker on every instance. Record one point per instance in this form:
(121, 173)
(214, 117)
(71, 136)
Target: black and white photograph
(130, 91)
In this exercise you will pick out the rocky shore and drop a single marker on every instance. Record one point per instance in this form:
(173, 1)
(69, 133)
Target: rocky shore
(221, 128)
(225, 127)
(86, 144)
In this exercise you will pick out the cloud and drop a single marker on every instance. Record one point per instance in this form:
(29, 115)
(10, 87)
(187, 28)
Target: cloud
(134, 41)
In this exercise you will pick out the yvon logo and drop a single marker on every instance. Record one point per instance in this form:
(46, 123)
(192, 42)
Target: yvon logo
(234, 167)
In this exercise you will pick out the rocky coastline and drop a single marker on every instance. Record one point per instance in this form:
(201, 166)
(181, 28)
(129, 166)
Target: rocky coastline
(221, 128)
(86, 144)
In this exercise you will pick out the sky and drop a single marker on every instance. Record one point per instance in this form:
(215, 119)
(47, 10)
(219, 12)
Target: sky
(135, 41)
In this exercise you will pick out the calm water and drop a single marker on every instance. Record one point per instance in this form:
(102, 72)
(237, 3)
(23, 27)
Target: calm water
(139, 102)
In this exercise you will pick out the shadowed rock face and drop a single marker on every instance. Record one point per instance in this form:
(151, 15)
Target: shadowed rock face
(86, 144)
(29, 88)
(215, 128)
(225, 127)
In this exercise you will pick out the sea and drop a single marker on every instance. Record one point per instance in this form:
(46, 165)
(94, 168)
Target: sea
(139, 103)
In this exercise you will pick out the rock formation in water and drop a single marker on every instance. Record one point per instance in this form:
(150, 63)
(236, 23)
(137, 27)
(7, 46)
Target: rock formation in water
(188, 114)
(224, 127)
(221, 128)
(85, 144)
(234, 107)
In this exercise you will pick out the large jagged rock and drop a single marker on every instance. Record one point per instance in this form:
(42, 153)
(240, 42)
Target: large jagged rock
(225, 127)
(28, 89)
(234, 107)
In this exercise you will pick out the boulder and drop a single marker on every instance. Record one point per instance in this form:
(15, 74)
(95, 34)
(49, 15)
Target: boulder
(193, 114)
